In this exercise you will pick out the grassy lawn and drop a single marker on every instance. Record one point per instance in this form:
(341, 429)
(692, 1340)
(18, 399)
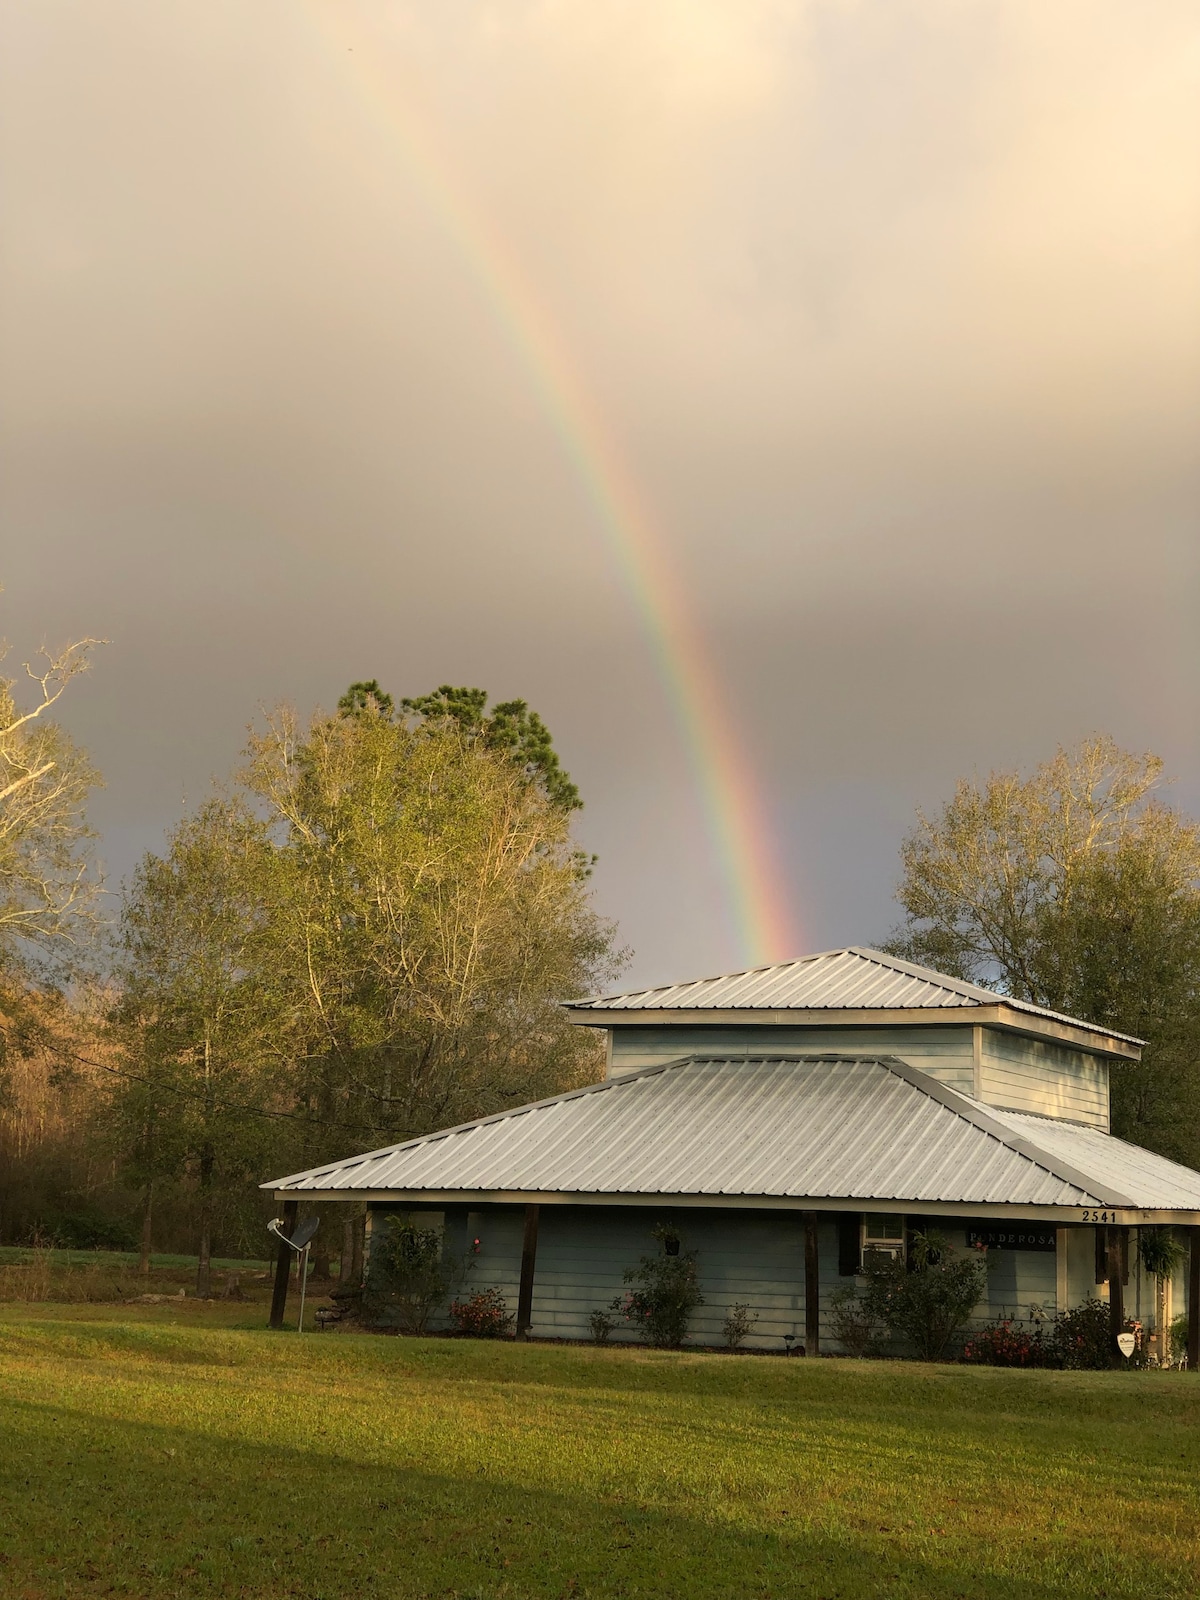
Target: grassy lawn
(112, 1275)
(163, 1451)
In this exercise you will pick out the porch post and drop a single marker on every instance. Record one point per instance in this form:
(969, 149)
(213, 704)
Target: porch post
(528, 1262)
(283, 1265)
(812, 1287)
(1194, 1301)
(1116, 1295)
(1061, 1275)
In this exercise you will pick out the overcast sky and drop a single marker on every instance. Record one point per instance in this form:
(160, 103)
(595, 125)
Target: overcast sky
(891, 308)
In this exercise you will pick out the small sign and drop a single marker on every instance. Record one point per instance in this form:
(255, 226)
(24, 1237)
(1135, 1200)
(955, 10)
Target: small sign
(1126, 1344)
(1026, 1236)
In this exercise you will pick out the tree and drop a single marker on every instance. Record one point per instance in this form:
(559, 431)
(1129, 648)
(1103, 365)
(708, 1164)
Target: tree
(198, 1032)
(429, 913)
(510, 728)
(48, 884)
(48, 918)
(1077, 888)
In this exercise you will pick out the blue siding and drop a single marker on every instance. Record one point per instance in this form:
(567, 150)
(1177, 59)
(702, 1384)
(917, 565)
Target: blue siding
(946, 1052)
(753, 1257)
(1050, 1080)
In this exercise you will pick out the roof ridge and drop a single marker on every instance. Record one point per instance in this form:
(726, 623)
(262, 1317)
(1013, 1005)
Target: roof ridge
(939, 980)
(714, 977)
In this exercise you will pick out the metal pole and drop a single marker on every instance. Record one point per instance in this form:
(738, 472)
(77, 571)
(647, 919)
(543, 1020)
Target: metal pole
(1116, 1295)
(303, 1285)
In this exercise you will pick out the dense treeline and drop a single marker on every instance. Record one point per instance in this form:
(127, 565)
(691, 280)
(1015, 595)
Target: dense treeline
(366, 934)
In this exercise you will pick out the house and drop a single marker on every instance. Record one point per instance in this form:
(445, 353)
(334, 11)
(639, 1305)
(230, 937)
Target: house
(784, 1122)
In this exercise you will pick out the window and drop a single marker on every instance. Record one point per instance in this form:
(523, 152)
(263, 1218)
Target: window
(882, 1235)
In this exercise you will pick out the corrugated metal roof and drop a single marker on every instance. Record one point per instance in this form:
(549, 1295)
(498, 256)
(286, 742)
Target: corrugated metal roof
(853, 979)
(1159, 1184)
(817, 1127)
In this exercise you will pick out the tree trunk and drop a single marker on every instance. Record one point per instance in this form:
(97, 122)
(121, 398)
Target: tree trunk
(204, 1265)
(147, 1233)
(320, 1258)
(346, 1264)
(207, 1160)
(356, 1260)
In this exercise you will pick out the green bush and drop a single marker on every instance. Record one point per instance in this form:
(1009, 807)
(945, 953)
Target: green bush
(925, 1302)
(84, 1230)
(738, 1324)
(1179, 1338)
(668, 1292)
(409, 1275)
(602, 1326)
(1082, 1338)
(855, 1322)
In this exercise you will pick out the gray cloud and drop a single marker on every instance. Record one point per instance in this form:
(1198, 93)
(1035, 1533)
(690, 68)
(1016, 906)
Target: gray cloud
(890, 307)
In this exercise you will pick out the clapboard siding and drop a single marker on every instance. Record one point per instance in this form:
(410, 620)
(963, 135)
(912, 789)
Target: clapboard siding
(946, 1053)
(1050, 1080)
(756, 1258)
(583, 1251)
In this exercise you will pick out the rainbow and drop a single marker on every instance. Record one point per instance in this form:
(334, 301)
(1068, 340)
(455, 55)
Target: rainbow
(735, 812)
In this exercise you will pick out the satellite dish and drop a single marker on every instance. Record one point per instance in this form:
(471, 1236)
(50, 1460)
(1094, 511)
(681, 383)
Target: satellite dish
(304, 1232)
(1126, 1344)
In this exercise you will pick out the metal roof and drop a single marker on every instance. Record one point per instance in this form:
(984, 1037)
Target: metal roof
(1158, 1184)
(852, 979)
(817, 1127)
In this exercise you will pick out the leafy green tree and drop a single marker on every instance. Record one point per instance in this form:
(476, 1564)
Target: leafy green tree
(366, 698)
(197, 1030)
(429, 912)
(1077, 888)
(510, 728)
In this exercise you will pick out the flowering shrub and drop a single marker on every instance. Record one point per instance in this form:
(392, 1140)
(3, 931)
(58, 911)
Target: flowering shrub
(1003, 1345)
(1079, 1339)
(738, 1324)
(483, 1315)
(668, 1294)
(410, 1274)
(1083, 1337)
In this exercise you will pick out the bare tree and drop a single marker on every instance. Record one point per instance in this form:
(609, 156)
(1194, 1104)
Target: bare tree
(48, 884)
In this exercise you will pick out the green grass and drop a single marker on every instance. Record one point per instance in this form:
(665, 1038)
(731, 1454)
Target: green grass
(21, 1255)
(173, 1452)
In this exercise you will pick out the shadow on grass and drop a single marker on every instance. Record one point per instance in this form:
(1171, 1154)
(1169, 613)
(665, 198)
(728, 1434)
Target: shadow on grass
(145, 1509)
